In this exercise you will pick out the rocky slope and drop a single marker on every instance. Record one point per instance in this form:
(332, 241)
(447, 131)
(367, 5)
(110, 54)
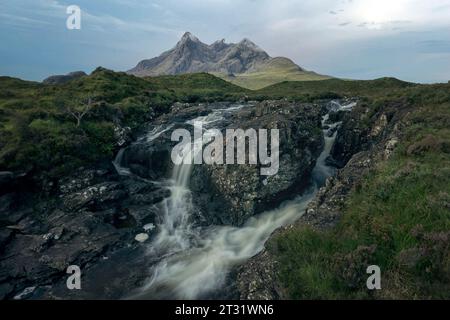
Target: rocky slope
(190, 55)
(364, 139)
(242, 191)
(95, 218)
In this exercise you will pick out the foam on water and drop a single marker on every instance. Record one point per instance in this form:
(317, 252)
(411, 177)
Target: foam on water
(196, 261)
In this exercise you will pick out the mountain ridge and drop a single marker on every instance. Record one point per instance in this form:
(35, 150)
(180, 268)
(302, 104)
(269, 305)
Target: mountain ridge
(243, 63)
(191, 55)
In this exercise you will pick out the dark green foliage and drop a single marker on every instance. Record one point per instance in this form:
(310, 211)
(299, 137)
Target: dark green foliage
(39, 129)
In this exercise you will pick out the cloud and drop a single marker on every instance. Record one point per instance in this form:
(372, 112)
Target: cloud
(311, 32)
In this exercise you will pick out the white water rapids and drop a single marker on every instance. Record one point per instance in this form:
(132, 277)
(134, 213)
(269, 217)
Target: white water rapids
(195, 260)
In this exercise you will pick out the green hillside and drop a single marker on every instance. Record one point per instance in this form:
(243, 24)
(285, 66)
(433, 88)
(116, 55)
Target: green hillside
(398, 216)
(274, 71)
(39, 133)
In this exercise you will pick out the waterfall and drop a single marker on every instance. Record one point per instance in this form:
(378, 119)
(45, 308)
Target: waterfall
(175, 230)
(199, 260)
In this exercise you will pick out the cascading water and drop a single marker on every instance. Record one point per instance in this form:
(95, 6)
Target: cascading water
(175, 230)
(195, 261)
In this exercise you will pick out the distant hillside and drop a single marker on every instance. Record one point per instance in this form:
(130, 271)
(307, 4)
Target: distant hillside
(273, 71)
(59, 79)
(244, 63)
(334, 87)
(39, 134)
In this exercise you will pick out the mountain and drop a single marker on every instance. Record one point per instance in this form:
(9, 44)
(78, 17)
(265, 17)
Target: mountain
(242, 63)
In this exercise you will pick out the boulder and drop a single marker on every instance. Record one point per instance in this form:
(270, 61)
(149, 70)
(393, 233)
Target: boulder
(231, 193)
(96, 197)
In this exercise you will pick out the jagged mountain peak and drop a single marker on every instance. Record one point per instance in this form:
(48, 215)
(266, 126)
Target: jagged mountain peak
(191, 55)
(187, 36)
(248, 43)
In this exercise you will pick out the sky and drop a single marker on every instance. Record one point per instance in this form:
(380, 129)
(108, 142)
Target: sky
(355, 39)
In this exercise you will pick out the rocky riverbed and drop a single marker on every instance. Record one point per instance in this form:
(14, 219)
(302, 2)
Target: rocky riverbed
(117, 221)
(363, 140)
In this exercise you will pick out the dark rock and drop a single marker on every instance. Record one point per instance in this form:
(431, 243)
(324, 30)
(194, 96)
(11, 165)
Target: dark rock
(362, 128)
(150, 161)
(97, 197)
(5, 290)
(232, 193)
(5, 236)
(150, 198)
(143, 214)
(256, 280)
(336, 116)
(6, 179)
(6, 203)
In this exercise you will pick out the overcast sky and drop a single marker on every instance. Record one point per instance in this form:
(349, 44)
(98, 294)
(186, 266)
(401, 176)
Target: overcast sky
(358, 39)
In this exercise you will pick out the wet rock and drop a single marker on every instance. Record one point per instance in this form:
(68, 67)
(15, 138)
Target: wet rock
(379, 125)
(232, 193)
(336, 116)
(95, 197)
(66, 238)
(6, 180)
(6, 204)
(181, 112)
(363, 128)
(5, 289)
(5, 236)
(149, 160)
(256, 280)
(26, 293)
(5, 177)
(82, 179)
(141, 237)
(143, 214)
(123, 135)
(322, 213)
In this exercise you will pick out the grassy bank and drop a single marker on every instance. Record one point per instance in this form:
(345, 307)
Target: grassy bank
(398, 218)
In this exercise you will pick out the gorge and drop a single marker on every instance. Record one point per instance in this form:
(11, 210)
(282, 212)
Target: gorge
(199, 227)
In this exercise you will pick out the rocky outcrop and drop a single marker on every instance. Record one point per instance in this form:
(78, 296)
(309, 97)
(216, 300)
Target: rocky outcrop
(94, 214)
(364, 140)
(191, 55)
(6, 179)
(364, 127)
(149, 157)
(229, 194)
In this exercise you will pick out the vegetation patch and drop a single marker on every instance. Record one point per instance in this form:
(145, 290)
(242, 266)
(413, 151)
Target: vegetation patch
(398, 219)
